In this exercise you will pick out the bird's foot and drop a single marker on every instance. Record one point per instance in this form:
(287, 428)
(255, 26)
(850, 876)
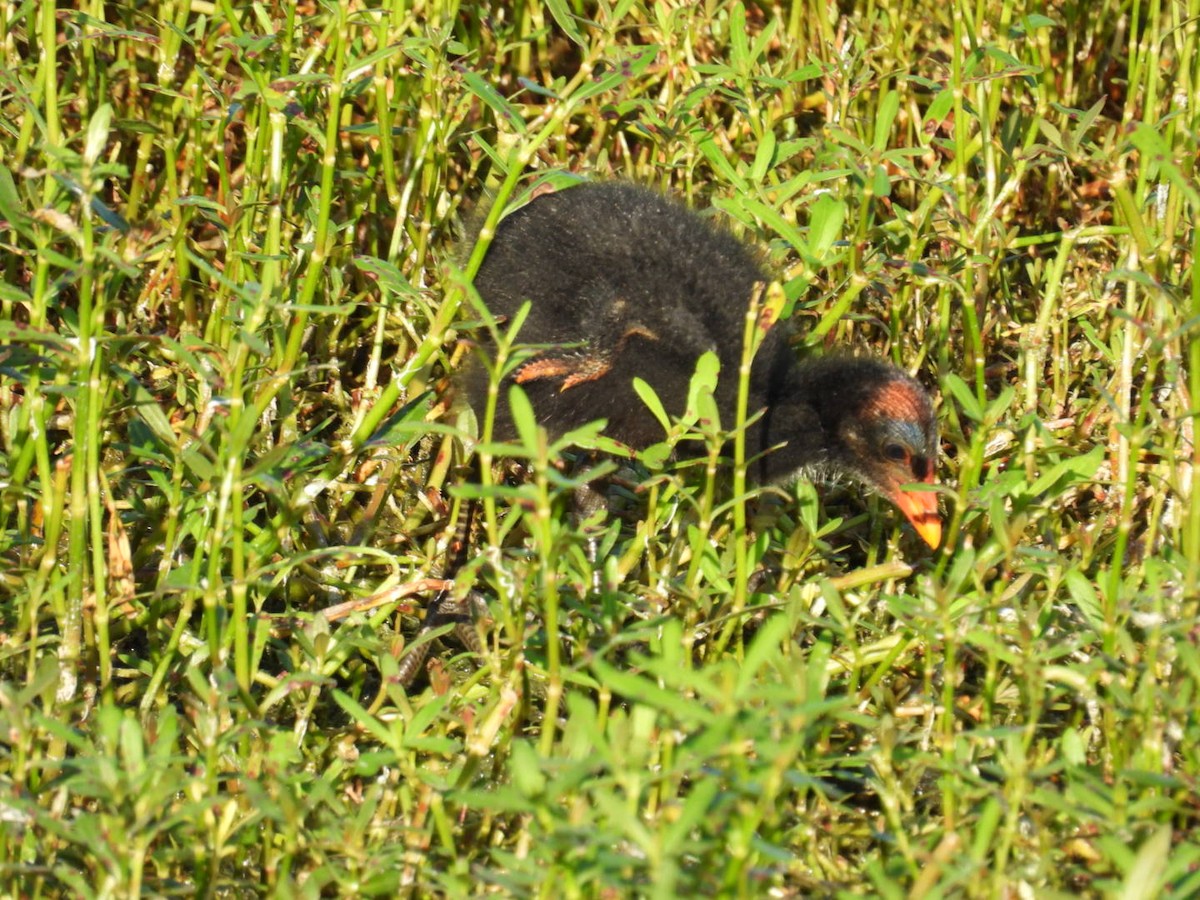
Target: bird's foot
(462, 613)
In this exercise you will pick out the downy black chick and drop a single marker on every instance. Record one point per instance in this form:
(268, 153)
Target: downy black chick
(630, 284)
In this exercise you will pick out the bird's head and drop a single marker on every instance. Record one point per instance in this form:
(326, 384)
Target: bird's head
(889, 439)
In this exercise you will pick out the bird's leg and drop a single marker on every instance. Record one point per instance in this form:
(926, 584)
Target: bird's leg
(463, 613)
(445, 608)
(585, 503)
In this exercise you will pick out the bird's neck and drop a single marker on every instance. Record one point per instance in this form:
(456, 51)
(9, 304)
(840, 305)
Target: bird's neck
(806, 404)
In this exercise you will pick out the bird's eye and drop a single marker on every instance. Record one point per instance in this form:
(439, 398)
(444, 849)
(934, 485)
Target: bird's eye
(895, 452)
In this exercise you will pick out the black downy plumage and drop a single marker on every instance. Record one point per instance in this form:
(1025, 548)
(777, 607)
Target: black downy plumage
(624, 283)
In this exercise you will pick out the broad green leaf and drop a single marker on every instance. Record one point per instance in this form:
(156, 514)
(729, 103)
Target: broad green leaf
(388, 275)
(11, 208)
(1037, 21)
(940, 107)
(885, 117)
(650, 694)
(650, 398)
(696, 808)
(655, 456)
(826, 219)
(881, 184)
(1072, 470)
(739, 39)
(566, 21)
(146, 407)
(405, 424)
(764, 158)
(719, 160)
(108, 215)
(1144, 880)
(1000, 405)
(523, 416)
(702, 385)
(525, 769)
(781, 226)
(359, 715)
(1151, 143)
(1084, 596)
(492, 98)
(630, 66)
(965, 396)
(97, 133)
(1086, 121)
(371, 59)
(763, 651)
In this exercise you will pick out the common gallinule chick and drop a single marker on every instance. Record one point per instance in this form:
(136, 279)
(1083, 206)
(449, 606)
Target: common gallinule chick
(624, 283)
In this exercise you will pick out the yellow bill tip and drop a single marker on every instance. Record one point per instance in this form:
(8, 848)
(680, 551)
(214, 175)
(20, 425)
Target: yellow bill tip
(921, 509)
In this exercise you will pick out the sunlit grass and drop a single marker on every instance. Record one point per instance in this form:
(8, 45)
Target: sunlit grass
(236, 250)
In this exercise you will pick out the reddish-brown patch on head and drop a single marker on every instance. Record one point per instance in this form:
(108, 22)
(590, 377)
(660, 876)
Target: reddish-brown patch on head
(897, 399)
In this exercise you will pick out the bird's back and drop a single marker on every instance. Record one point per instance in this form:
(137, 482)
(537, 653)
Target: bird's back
(633, 285)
